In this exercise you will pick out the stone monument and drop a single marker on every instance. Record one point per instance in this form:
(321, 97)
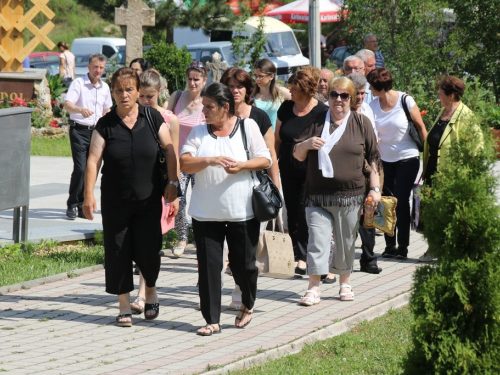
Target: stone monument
(133, 16)
(216, 67)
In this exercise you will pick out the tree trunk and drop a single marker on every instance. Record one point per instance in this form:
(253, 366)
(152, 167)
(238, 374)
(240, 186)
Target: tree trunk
(170, 35)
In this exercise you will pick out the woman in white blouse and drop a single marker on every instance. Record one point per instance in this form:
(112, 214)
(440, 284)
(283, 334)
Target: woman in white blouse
(398, 151)
(221, 205)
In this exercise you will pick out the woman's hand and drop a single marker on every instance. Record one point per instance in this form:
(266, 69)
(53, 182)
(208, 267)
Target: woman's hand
(375, 197)
(314, 143)
(170, 193)
(223, 161)
(89, 207)
(173, 207)
(234, 167)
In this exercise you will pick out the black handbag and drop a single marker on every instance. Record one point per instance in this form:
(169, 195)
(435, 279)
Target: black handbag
(162, 160)
(266, 198)
(412, 130)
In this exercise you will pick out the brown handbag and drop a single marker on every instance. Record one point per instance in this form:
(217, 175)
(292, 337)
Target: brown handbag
(275, 256)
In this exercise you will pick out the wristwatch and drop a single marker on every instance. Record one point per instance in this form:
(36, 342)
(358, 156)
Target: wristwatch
(376, 189)
(175, 183)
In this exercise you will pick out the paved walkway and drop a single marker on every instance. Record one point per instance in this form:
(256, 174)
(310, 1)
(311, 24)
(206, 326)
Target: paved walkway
(68, 326)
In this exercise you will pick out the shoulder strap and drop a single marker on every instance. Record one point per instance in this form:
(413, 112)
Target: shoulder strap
(244, 138)
(177, 97)
(149, 120)
(405, 108)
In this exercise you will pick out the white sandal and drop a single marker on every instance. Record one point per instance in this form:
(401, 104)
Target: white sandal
(309, 301)
(346, 296)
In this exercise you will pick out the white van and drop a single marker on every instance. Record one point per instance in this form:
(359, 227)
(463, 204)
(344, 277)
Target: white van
(281, 47)
(107, 46)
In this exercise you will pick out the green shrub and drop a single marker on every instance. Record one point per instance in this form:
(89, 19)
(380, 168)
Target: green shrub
(456, 302)
(171, 62)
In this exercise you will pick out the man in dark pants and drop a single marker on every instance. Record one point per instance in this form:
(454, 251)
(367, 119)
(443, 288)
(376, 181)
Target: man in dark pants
(87, 100)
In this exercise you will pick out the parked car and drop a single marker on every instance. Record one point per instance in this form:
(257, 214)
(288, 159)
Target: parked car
(107, 46)
(51, 66)
(43, 56)
(338, 56)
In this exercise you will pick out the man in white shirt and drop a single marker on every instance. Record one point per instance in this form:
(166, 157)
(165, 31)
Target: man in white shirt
(87, 100)
(368, 58)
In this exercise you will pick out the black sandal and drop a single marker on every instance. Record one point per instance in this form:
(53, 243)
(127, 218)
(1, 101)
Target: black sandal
(154, 307)
(242, 316)
(211, 328)
(136, 307)
(120, 323)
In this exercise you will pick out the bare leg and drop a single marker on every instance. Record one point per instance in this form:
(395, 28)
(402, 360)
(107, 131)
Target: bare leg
(138, 304)
(346, 293)
(151, 297)
(124, 306)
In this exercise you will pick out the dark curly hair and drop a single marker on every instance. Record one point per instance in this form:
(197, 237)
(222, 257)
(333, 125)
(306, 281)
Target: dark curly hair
(452, 85)
(380, 79)
(243, 78)
(306, 80)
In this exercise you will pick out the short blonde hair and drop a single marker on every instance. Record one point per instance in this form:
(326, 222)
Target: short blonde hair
(343, 83)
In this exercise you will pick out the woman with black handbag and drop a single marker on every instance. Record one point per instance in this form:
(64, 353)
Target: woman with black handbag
(221, 203)
(131, 192)
(398, 151)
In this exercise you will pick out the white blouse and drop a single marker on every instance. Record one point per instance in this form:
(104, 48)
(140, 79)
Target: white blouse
(392, 126)
(218, 196)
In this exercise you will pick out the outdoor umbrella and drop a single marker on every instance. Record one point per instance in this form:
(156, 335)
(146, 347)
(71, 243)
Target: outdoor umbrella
(298, 11)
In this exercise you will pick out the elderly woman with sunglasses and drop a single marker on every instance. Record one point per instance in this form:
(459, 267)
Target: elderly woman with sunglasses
(188, 107)
(334, 147)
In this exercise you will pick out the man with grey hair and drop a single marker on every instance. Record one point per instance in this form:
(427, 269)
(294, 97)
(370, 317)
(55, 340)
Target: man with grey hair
(353, 64)
(325, 75)
(368, 261)
(368, 58)
(87, 100)
(372, 44)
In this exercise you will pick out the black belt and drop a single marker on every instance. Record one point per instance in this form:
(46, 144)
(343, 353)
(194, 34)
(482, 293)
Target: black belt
(75, 124)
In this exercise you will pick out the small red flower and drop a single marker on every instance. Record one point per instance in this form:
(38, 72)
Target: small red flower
(53, 103)
(54, 123)
(61, 105)
(19, 102)
(423, 112)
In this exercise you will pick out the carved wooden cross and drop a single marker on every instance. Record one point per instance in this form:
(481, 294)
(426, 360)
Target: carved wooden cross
(133, 16)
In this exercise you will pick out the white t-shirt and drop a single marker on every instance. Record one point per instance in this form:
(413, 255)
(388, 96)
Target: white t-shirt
(392, 126)
(369, 95)
(218, 196)
(367, 111)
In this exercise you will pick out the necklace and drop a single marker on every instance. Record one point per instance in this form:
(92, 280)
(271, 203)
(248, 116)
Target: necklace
(448, 117)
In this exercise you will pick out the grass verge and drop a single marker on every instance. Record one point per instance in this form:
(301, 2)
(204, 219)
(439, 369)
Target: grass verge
(41, 146)
(19, 263)
(375, 347)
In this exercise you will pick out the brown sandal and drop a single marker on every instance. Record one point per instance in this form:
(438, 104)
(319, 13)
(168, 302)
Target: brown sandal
(239, 319)
(211, 329)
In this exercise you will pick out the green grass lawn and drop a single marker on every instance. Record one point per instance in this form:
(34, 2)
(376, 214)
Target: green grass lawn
(41, 146)
(33, 261)
(376, 347)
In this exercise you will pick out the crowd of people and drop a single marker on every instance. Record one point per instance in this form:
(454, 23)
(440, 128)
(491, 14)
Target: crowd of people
(331, 141)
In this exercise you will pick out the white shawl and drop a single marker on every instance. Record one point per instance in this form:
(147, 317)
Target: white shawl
(325, 164)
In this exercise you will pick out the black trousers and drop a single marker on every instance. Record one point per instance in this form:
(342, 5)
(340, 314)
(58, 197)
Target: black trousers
(132, 232)
(399, 178)
(79, 138)
(242, 238)
(367, 244)
(294, 192)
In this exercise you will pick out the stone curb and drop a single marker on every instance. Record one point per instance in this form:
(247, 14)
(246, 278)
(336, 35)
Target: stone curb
(322, 334)
(49, 279)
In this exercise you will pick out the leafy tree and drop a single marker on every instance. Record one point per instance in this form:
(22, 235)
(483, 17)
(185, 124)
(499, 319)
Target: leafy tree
(251, 46)
(171, 62)
(410, 34)
(456, 302)
(477, 29)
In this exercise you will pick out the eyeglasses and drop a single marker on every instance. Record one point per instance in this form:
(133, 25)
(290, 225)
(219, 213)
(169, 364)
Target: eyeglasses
(260, 76)
(344, 96)
(360, 93)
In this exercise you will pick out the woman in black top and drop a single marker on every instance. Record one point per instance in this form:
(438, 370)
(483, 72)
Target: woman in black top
(293, 117)
(130, 192)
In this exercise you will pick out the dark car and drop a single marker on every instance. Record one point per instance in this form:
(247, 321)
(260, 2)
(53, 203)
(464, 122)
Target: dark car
(338, 56)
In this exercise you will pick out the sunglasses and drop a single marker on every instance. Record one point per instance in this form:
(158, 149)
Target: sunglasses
(197, 64)
(344, 96)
